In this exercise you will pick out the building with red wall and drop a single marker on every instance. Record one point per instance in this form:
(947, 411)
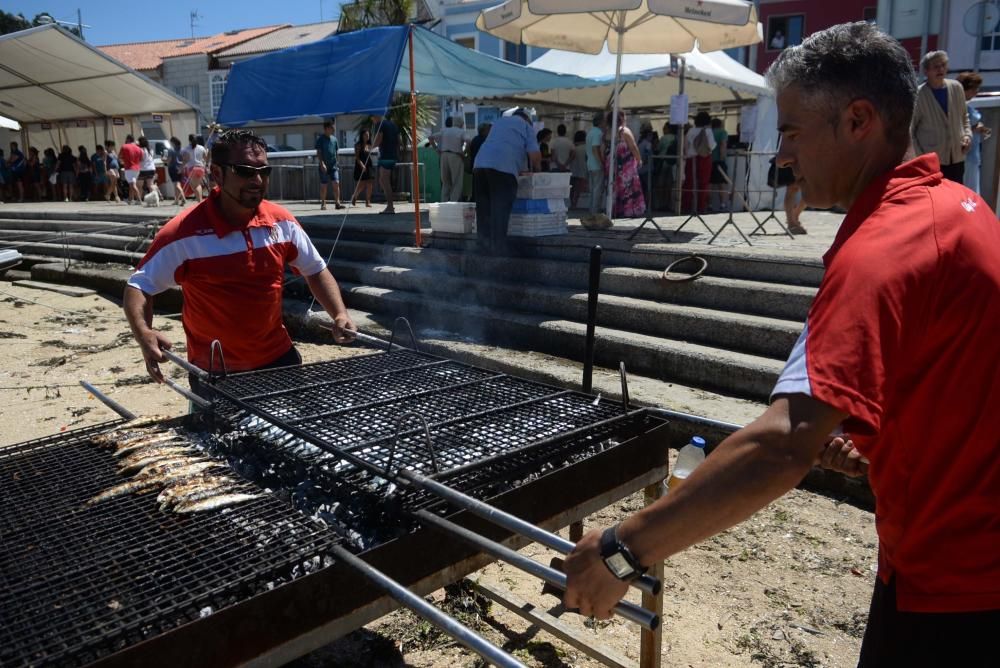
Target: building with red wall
(788, 22)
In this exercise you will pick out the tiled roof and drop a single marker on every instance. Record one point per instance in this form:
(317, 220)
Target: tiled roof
(149, 55)
(143, 55)
(281, 39)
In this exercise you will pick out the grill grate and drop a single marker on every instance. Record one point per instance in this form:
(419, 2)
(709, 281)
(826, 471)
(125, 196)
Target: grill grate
(79, 583)
(475, 417)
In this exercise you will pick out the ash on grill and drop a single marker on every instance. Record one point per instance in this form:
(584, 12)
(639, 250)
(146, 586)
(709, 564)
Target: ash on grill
(361, 507)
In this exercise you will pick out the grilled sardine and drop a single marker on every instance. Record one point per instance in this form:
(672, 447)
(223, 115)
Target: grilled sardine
(130, 429)
(140, 463)
(194, 490)
(215, 503)
(125, 449)
(191, 465)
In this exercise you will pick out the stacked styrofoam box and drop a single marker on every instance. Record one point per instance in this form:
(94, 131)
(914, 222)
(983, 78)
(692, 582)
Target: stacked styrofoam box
(454, 217)
(540, 208)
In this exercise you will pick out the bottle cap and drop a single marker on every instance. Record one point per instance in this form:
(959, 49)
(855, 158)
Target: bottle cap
(698, 441)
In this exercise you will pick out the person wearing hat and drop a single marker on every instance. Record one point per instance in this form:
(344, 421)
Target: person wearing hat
(509, 149)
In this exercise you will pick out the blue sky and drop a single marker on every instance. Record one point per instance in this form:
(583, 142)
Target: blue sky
(116, 22)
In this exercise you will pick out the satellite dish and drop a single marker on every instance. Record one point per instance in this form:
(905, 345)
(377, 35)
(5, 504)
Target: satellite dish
(988, 12)
(44, 19)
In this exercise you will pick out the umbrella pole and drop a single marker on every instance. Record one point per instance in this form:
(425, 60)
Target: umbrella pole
(682, 139)
(414, 173)
(610, 194)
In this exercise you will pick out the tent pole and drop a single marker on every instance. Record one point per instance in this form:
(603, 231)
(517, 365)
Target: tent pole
(682, 141)
(414, 173)
(610, 194)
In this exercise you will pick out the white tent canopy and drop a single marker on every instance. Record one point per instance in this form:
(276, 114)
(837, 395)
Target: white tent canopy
(47, 74)
(709, 77)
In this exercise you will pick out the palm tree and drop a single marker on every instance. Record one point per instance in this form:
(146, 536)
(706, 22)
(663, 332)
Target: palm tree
(399, 113)
(374, 13)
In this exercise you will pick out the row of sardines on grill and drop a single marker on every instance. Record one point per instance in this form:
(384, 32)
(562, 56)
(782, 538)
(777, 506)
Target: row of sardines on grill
(168, 461)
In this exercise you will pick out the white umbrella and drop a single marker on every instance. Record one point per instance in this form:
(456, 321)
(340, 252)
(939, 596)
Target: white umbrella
(626, 26)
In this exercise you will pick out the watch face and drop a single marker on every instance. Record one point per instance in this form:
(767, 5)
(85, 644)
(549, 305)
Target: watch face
(618, 565)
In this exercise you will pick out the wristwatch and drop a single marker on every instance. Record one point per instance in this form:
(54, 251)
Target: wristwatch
(618, 558)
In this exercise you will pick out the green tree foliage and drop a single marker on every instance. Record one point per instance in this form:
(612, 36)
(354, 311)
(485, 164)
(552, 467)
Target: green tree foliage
(12, 22)
(399, 114)
(374, 13)
(16, 22)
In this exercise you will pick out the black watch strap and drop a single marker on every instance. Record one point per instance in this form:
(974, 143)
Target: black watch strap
(610, 546)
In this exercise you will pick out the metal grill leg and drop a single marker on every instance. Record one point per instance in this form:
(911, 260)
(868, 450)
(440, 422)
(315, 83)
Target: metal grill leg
(651, 642)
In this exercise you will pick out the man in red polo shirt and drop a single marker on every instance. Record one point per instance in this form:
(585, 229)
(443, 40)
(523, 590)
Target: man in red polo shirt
(229, 255)
(130, 156)
(900, 351)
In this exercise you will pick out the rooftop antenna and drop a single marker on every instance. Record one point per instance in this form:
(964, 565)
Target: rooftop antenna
(194, 20)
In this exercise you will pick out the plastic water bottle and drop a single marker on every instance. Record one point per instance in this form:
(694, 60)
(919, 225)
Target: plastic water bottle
(690, 456)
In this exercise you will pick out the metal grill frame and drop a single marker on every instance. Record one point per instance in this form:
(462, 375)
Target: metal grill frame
(80, 582)
(407, 447)
(295, 619)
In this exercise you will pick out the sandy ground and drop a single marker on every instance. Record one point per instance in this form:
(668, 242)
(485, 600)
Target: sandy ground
(789, 587)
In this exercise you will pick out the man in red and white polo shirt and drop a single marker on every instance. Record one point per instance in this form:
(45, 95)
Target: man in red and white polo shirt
(229, 255)
(901, 352)
(130, 156)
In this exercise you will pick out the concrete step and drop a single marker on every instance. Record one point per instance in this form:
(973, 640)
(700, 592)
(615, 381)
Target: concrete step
(733, 373)
(76, 226)
(786, 268)
(60, 252)
(768, 337)
(790, 302)
(137, 242)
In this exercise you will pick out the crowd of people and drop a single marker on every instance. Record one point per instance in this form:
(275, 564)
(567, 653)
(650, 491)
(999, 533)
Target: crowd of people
(106, 172)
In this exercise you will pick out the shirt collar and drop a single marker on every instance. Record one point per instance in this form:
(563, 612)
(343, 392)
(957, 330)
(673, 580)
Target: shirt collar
(263, 218)
(924, 170)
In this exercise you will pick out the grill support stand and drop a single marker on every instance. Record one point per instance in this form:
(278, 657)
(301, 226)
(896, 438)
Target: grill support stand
(651, 642)
(593, 291)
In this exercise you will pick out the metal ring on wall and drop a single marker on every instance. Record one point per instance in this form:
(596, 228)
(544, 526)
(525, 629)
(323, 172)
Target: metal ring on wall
(685, 277)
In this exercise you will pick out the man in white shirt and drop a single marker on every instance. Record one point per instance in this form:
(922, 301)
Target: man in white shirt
(451, 145)
(562, 150)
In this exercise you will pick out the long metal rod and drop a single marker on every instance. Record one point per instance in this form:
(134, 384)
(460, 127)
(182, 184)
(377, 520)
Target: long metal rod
(630, 611)
(414, 173)
(462, 634)
(108, 401)
(696, 419)
(593, 290)
(200, 402)
(510, 522)
(184, 364)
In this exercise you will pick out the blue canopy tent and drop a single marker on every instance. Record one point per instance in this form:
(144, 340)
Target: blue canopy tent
(358, 73)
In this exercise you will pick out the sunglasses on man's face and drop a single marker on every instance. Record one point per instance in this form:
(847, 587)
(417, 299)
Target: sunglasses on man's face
(248, 172)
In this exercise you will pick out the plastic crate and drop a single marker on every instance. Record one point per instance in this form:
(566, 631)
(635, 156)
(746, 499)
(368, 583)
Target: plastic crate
(453, 217)
(537, 225)
(544, 185)
(539, 206)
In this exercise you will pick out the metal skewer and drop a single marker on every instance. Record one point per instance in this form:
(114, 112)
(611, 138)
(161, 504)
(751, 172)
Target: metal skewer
(646, 583)
(462, 634)
(108, 401)
(630, 611)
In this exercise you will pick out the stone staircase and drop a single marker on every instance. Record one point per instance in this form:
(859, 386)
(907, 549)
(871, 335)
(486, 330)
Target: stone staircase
(728, 331)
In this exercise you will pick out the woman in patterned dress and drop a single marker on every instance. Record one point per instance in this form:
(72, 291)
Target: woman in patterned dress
(629, 202)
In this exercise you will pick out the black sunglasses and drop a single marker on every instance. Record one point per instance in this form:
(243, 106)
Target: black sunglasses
(248, 172)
